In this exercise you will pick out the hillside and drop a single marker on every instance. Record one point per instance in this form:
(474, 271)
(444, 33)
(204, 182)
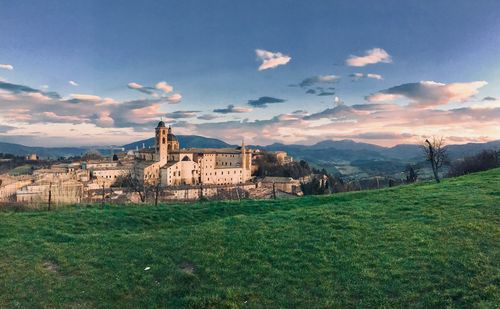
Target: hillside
(358, 160)
(21, 150)
(349, 158)
(424, 245)
(186, 141)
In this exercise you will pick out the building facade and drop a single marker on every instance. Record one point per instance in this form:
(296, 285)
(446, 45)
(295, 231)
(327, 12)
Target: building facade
(168, 165)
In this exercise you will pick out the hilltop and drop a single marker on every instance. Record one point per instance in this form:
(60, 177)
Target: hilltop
(424, 245)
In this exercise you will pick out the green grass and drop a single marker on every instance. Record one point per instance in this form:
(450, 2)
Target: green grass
(21, 170)
(424, 245)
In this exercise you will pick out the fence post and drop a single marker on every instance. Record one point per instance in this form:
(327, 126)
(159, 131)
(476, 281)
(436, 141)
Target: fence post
(156, 194)
(50, 194)
(102, 199)
(274, 190)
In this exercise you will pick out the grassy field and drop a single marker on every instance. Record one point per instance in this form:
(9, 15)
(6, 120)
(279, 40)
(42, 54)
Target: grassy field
(21, 170)
(424, 245)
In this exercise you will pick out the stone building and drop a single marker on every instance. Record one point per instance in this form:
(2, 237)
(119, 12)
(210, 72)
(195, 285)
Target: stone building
(168, 165)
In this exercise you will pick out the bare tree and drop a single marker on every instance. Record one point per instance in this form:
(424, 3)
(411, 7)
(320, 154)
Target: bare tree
(411, 174)
(435, 153)
(135, 182)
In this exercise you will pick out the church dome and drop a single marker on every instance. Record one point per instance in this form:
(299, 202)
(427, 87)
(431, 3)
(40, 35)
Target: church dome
(170, 136)
(161, 124)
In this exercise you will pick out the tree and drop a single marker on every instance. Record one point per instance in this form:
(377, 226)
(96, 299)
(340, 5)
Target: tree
(92, 155)
(435, 153)
(411, 174)
(134, 181)
(485, 160)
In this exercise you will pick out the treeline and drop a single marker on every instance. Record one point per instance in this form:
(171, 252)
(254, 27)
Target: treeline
(269, 166)
(485, 160)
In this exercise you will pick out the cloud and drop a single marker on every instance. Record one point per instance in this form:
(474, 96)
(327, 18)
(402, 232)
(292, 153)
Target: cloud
(25, 90)
(94, 118)
(380, 136)
(374, 76)
(134, 85)
(5, 128)
(271, 60)
(486, 104)
(385, 124)
(230, 109)
(263, 102)
(358, 76)
(182, 114)
(326, 93)
(77, 98)
(489, 99)
(208, 117)
(371, 56)
(73, 83)
(7, 67)
(429, 93)
(160, 90)
(174, 99)
(319, 79)
(52, 117)
(163, 86)
(141, 88)
(23, 104)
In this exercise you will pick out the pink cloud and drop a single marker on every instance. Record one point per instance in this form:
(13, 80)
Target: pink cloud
(429, 93)
(371, 56)
(271, 60)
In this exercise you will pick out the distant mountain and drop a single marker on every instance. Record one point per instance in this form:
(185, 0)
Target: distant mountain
(186, 141)
(458, 151)
(363, 160)
(21, 150)
(344, 156)
(346, 144)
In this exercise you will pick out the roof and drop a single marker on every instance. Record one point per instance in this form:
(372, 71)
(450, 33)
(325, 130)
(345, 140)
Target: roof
(161, 124)
(279, 179)
(114, 168)
(147, 150)
(211, 150)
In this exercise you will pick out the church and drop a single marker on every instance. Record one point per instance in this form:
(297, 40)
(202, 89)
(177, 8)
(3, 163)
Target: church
(168, 165)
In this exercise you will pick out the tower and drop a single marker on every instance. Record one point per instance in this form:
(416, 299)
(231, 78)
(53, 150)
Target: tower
(161, 143)
(172, 141)
(243, 161)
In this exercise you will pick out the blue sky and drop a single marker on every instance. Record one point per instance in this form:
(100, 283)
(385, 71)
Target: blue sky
(206, 50)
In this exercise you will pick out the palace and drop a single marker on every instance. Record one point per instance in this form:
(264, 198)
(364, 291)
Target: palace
(168, 165)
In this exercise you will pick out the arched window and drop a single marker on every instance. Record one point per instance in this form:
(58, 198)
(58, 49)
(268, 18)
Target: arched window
(163, 141)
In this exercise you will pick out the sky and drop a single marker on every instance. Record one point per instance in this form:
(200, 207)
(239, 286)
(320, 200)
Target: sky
(75, 73)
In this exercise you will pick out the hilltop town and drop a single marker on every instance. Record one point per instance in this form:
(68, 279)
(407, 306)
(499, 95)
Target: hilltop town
(160, 173)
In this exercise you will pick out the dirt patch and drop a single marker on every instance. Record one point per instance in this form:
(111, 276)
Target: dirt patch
(188, 268)
(51, 267)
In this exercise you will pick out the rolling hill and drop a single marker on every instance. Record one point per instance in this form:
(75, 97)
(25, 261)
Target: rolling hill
(186, 141)
(349, 158)
(21, 150)
(426, 245)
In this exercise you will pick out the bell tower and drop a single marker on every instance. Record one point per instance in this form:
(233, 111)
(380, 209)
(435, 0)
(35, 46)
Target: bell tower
(161, 143)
